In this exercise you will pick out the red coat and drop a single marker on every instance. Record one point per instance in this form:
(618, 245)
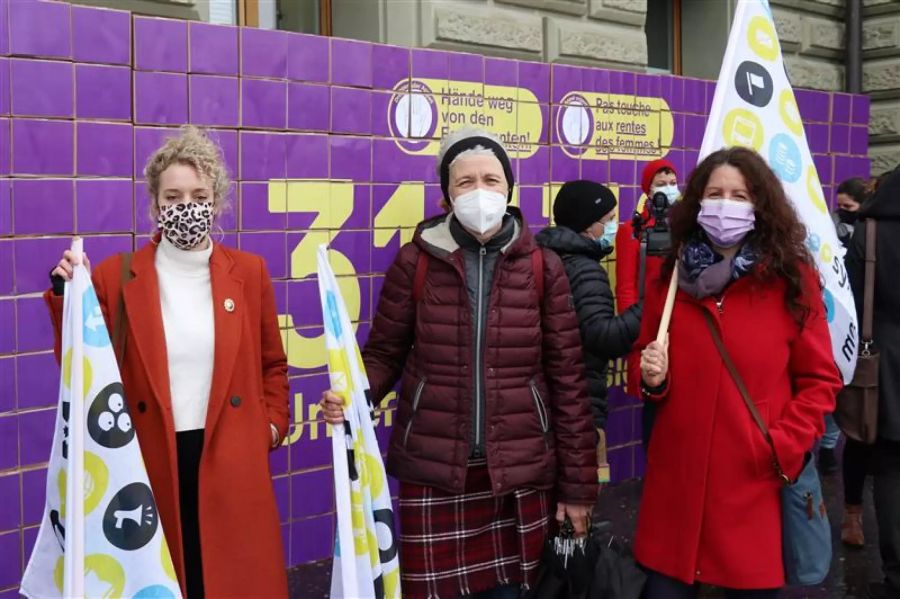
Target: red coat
(539, 431)
(710, 510)
(239, 524)
(628, 266)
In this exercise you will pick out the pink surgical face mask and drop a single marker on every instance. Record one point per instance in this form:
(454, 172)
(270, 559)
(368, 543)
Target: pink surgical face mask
(725, 221)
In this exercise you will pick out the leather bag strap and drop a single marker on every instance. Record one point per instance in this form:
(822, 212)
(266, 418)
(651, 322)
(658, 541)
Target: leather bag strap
(869, 285)
(745, 395)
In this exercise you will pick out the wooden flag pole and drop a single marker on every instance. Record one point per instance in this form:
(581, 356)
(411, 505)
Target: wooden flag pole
(670, 304)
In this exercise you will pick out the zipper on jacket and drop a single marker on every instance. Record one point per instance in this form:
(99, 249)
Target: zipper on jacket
(720, 303)
(541, 410)
(415, 407)
(479, 331)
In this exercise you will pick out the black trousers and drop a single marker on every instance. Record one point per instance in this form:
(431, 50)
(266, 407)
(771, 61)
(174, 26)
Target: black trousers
(190, 447)
(857, 465)
(660, 586)
(887, 511)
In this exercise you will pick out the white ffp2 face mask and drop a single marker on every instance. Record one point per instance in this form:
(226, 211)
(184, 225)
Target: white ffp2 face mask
(480, 210)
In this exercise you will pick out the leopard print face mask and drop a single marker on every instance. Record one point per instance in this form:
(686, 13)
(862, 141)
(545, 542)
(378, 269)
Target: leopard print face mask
(186, 225)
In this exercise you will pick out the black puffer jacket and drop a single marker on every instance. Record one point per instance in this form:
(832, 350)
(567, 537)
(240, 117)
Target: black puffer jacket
(604, 335)
(884, 208)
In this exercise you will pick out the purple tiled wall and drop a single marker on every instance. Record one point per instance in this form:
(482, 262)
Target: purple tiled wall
(94, 91)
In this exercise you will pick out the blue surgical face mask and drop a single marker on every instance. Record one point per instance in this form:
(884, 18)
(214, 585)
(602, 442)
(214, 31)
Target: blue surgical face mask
(671, 192)
(606, 240)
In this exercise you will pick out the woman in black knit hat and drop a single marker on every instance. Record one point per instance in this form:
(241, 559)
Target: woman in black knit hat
(586, 225)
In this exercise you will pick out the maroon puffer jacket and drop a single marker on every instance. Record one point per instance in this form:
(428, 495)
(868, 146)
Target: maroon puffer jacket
(539, 431)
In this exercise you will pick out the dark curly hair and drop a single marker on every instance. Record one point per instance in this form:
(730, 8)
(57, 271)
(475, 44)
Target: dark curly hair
(779, 237)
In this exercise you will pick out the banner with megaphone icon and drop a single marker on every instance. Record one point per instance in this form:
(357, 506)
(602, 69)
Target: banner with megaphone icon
(100, 535)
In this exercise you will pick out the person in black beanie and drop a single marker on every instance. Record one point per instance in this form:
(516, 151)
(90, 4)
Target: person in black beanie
(586, 224)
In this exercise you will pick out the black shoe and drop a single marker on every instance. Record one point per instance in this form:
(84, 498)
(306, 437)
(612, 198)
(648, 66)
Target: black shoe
(827, 462)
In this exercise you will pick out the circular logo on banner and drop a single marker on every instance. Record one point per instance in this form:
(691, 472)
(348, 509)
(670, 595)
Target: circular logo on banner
(814, 190)
(743, 128)
(87, 373)
(387, 539)
(829, 305)
(762, 39)
(412, 114)
(784, 158)
(109, 422)
(103, 576)
(813, 242)
(96, 481)
(166, 558)
(826, 254)
(131, 520)
(753, 83)
(95, 332)
(790, 114)
(574, 123)
(156, 591)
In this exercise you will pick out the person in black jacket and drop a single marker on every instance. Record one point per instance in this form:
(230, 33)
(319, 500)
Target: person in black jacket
(884, 208)
(585, 218)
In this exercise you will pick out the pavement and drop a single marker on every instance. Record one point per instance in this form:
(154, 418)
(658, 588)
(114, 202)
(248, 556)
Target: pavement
(851, 569)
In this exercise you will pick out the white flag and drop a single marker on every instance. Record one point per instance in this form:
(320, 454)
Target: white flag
(366, 563)
(100, 535)
(754, 106)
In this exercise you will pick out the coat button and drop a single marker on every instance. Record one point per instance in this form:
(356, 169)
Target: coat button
(142, 407)
(235, 401)
(490, 371)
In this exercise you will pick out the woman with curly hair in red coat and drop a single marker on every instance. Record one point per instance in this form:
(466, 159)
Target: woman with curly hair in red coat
(710, 511)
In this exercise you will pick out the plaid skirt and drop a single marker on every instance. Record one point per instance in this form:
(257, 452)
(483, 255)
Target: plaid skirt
(458, 544)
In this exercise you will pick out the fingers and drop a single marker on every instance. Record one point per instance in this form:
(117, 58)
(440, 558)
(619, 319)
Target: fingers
(332, 408)
(560, 512)
(580, 524)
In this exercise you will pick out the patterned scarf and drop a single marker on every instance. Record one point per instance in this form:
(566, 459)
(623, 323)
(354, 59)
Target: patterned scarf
(704, 272)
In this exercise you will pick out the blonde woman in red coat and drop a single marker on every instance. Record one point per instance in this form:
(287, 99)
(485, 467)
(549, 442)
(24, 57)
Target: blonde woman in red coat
(710, 511)
(205, 377)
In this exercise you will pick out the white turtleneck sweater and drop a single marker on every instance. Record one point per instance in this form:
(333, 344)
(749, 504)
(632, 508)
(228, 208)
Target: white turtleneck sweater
(185, 295)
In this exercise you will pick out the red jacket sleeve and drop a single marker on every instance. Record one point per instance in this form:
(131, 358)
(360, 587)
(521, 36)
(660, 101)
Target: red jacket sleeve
(570, 411)
(274, 362)
(815, 380)
(628, 251)
(393, 327)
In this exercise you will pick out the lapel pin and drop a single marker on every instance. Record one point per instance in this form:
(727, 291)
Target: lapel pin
(229, 305)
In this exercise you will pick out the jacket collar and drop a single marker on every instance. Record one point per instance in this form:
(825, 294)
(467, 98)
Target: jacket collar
(435, 237)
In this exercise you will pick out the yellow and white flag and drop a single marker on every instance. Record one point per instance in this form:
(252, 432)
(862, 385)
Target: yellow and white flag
(100, 535)
(754, 106)
(366, 563)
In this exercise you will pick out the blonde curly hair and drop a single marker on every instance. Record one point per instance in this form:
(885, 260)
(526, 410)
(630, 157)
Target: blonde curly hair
(194, 148)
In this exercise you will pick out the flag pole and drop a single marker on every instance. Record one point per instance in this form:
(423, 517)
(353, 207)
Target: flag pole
(670, 305)
(74, 554)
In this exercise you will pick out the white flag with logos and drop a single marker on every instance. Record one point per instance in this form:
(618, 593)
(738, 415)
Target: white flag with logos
(366, 562)
(100, 535)
(754, 106)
